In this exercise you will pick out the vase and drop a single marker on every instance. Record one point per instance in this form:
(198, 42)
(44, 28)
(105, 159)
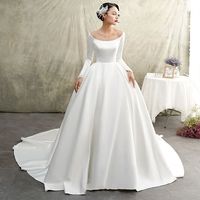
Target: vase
(176, 72)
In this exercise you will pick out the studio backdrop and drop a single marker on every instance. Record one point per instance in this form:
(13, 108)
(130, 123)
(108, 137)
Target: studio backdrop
(43, 46)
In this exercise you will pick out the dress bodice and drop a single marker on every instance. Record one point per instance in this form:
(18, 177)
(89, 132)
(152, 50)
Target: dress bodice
(104, 51)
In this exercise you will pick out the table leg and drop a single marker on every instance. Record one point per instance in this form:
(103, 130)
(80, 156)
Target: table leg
(167, 116)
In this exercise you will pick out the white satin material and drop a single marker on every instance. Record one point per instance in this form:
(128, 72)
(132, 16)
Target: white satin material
(106, 139)
(104, 52)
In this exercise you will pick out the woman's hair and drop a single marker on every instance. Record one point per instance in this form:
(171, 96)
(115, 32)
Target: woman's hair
(104, 9)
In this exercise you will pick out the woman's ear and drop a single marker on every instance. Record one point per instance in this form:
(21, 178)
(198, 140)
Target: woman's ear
(104, 15)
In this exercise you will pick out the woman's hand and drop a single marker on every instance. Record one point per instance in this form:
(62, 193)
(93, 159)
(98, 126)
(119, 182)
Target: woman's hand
(131, 77)
(78, 83)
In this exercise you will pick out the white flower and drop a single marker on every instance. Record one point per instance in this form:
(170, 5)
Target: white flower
(103, 10)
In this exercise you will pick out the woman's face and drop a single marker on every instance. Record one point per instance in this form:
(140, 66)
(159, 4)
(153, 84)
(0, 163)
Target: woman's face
(112, 16)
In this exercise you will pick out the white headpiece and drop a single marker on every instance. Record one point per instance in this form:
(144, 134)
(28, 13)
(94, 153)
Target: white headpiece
(103, 10)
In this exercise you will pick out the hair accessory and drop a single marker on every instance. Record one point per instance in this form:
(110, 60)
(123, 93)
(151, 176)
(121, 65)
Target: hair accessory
(103, 10)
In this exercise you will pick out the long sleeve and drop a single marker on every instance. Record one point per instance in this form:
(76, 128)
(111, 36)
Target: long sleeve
(89, 58)
(120, 52)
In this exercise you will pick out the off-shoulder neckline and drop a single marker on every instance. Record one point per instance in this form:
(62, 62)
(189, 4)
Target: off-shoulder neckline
(106, 40)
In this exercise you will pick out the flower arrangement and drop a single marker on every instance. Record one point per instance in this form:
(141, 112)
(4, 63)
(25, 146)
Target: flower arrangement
(171, 68)
(173, 61)
(192, 124)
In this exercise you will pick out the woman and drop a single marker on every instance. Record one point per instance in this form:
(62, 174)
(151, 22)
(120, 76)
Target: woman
(106, 139)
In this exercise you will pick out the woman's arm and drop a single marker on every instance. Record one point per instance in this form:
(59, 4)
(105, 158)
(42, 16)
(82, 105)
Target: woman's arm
(89, 58)
(130, 74)
(120, 52)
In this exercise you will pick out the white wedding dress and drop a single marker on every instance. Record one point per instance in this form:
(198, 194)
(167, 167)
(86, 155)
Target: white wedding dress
(106, 139)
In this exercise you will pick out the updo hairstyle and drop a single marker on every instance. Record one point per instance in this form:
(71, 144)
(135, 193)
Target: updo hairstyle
(104, 9)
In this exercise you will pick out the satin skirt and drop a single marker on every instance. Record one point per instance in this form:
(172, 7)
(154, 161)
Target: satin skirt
(106, 140)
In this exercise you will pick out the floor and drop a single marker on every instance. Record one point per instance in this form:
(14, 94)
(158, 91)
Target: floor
(18, 185)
